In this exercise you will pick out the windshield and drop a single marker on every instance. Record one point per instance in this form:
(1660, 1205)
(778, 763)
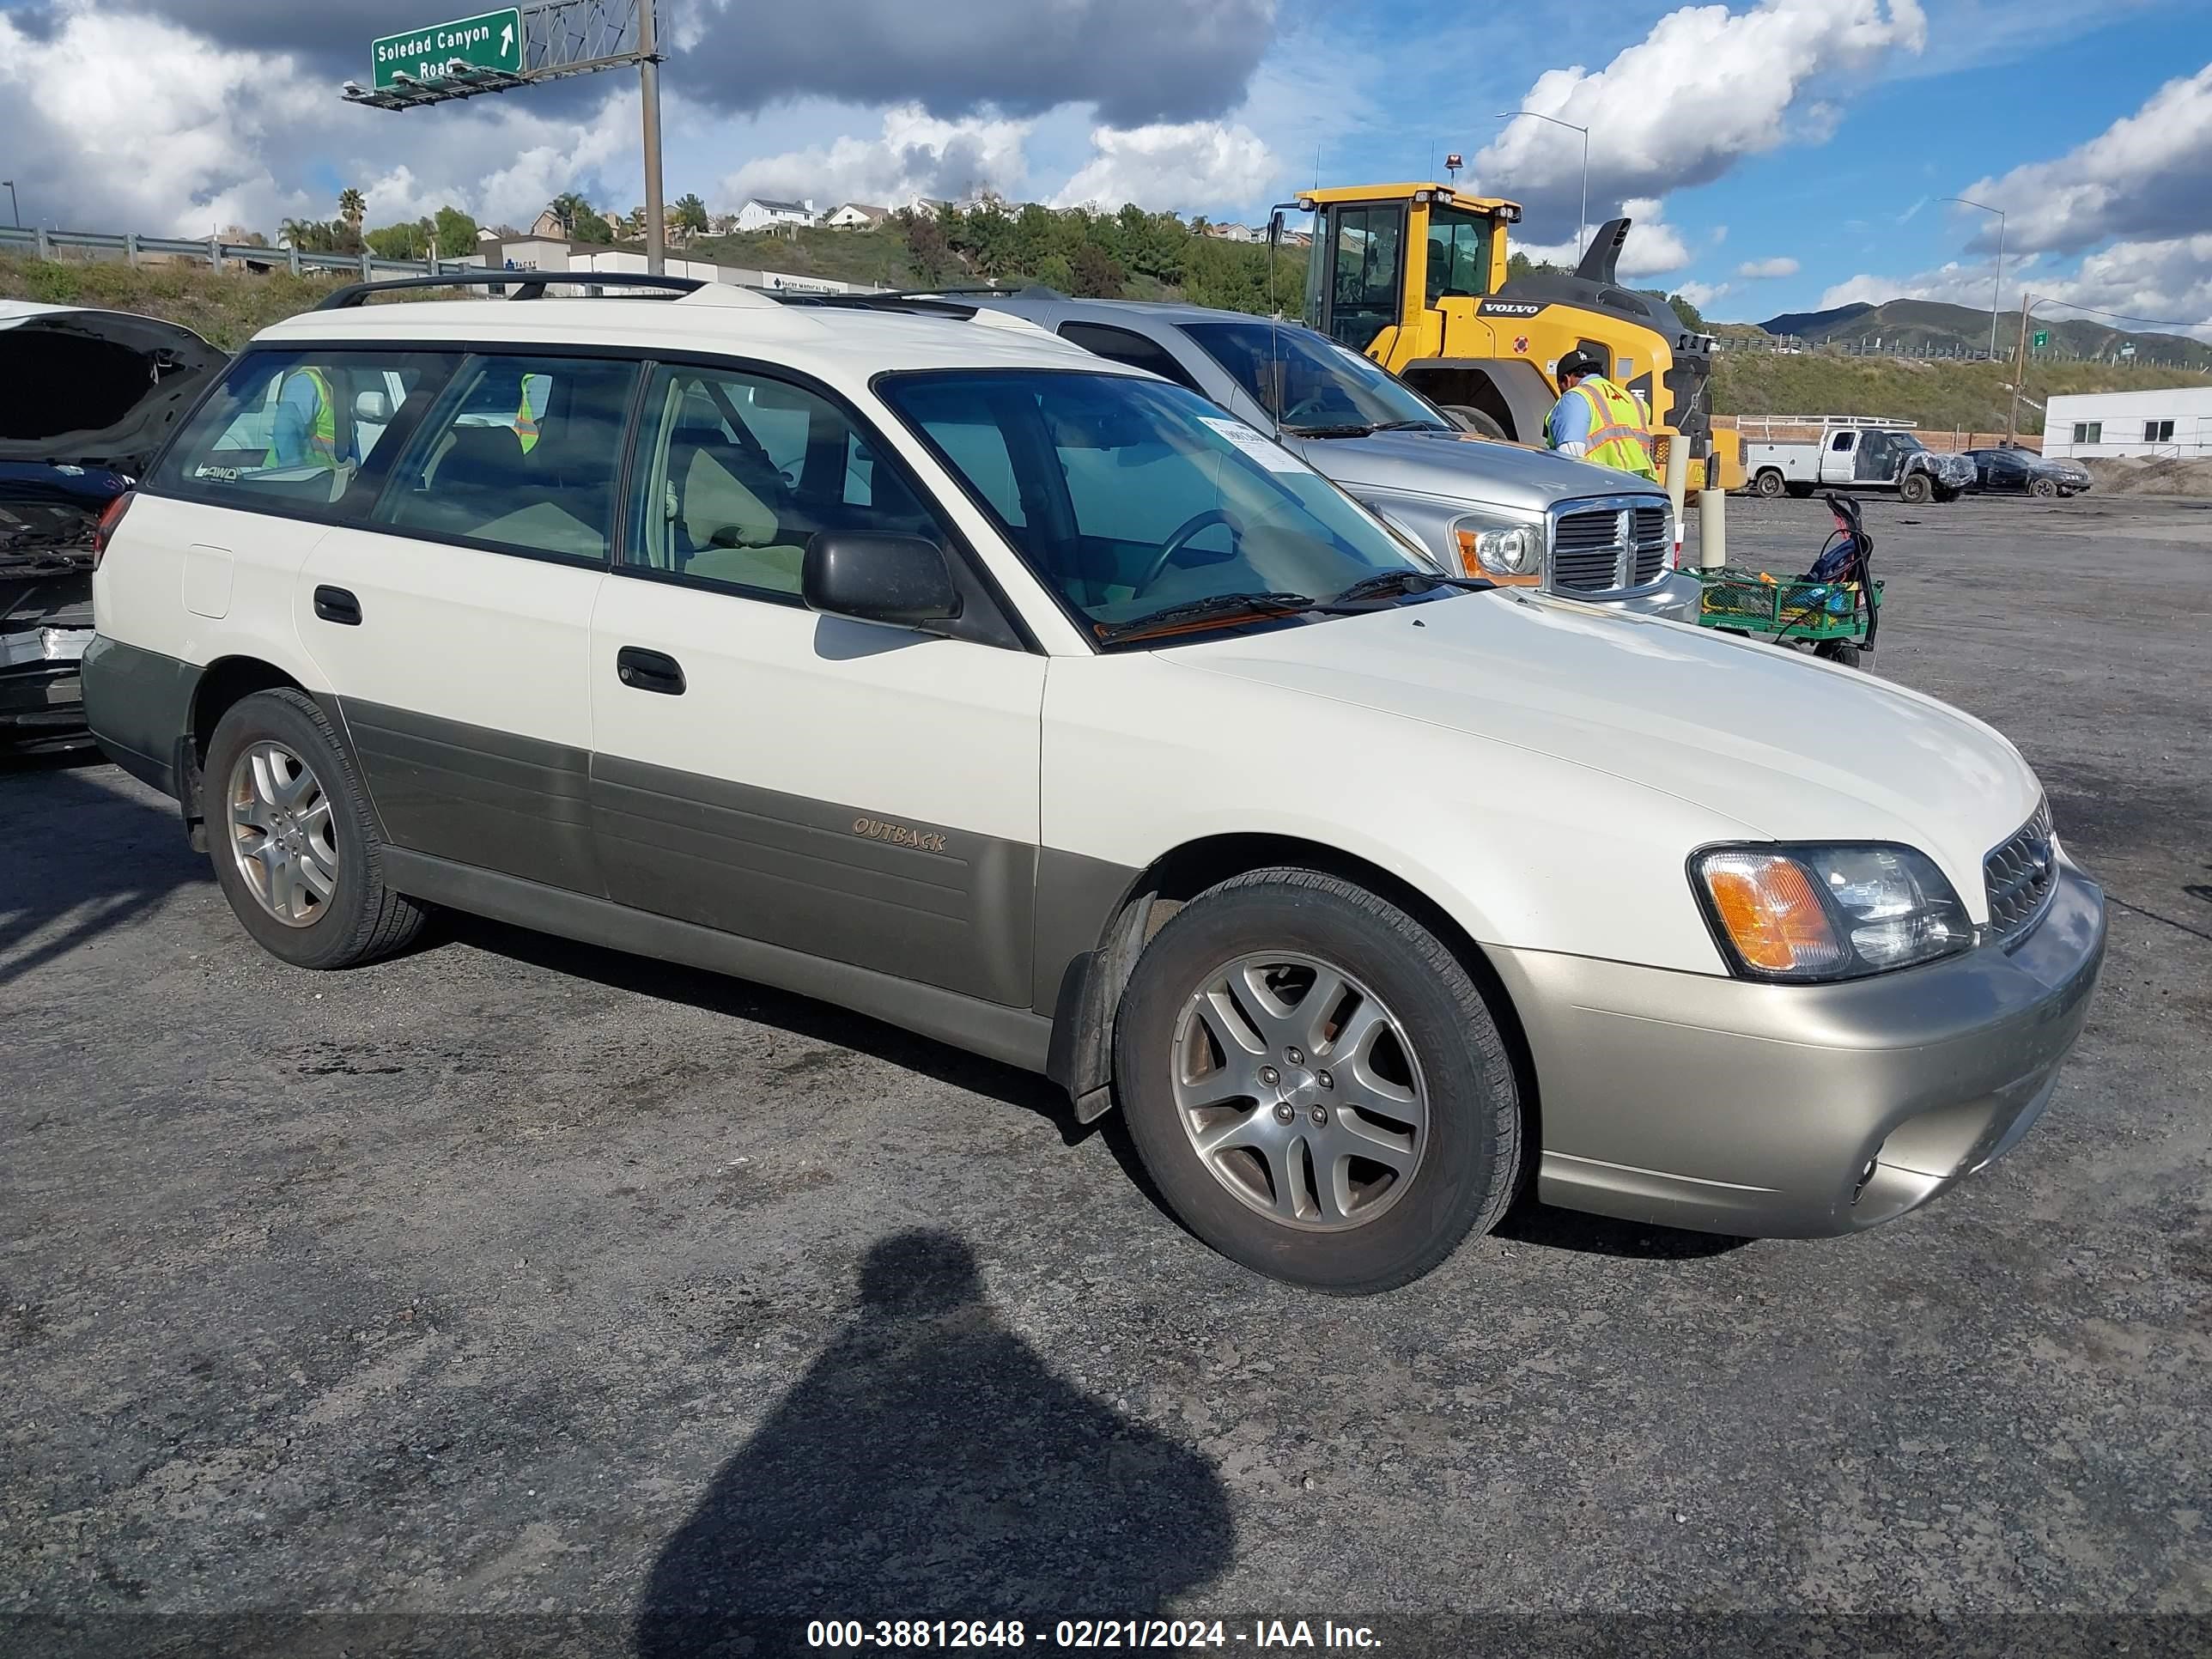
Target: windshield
(1128, 497)
(1311, 383)
(1906, 441)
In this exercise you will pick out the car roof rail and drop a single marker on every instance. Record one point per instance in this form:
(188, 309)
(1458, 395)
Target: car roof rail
(528, 284)
(918, 304)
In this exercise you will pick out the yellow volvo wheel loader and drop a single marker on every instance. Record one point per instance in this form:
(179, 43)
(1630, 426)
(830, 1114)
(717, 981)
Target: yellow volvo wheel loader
(1414, 276)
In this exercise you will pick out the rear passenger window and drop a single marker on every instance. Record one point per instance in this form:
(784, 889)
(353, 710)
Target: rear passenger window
(302, 432)
(521, 454)
(737, 472)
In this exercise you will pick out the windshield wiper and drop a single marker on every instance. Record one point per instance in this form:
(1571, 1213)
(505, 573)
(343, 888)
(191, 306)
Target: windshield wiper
(1214, 605)
(1349, 429)
(1413, 426)
(1384, 583)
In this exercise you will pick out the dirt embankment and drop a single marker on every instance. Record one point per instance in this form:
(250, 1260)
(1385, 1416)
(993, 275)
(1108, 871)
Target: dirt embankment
(2137, 475)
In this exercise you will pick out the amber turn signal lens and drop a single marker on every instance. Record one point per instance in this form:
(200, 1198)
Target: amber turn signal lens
(1773, 914)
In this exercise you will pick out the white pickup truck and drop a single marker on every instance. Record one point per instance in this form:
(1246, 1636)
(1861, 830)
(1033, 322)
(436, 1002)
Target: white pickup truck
(1856, 458)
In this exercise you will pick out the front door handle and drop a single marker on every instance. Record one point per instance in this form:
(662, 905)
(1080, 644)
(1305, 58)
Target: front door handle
(649, 671)
(335, 605)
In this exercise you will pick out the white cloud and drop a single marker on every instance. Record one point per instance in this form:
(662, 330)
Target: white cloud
(1192, 165)
(916, 154)
(1654, 247)
(2165, 283)
(2148, 175)
(1704, 89)
(1760, 270)
(1702, 295)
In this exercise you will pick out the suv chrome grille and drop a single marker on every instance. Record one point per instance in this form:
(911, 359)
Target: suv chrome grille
(1610, 545)
(1653, 543)
(2020, 875)
(1586, 551)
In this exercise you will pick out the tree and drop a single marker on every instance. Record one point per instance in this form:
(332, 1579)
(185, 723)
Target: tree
(395, 242)
(295, 233)
(589, 226)
(1691, 316)
(566, 207)
(1098, 275)
(689, 216)
(927, 253)
(454, 233)
(353, 207)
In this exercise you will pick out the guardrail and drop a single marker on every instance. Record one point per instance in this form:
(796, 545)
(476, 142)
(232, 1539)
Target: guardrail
(42, 244)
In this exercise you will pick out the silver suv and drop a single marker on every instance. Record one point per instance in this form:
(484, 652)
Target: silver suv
(1517, 516)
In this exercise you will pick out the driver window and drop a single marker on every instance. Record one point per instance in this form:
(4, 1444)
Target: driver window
(737, 472)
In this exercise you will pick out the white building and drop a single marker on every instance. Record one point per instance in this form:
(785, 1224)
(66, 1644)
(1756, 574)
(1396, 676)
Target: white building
(758, 215)
(855, 215)
(2174, 421)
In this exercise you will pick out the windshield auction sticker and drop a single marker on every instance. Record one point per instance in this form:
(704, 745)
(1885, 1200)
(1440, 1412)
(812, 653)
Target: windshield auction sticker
(1256, 444)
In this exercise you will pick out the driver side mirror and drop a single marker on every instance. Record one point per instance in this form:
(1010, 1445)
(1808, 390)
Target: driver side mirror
(900, 580)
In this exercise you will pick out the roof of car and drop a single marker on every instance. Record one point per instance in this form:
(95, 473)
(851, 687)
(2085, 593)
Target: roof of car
(718, 319)
(1168, 311)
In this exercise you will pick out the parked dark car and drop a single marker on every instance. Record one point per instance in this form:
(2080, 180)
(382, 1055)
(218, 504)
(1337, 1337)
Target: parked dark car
(2024, 472)
(86, 399)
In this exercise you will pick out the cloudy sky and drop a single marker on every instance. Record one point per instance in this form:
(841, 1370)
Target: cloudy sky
(1776, 156)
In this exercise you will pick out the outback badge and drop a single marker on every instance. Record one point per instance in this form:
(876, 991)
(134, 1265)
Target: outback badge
(898, 834)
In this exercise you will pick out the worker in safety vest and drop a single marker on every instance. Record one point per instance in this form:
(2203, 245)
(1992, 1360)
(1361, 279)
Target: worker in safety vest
(532, 406)
(1596, 421)
(305, 432)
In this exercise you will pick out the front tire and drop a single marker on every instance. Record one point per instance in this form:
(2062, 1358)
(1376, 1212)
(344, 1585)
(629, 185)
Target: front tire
(2044, 487)
(1914, 489)
(295, 848)
(1316, 1085)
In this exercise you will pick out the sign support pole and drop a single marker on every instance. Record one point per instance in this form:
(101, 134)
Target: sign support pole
(648, 87)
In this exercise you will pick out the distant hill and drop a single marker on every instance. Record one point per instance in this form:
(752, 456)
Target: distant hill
(1913, 323)
(1943, 396)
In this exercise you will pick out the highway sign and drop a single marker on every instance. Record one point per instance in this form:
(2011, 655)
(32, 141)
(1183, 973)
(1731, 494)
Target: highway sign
(490, 40)
(2042, 338)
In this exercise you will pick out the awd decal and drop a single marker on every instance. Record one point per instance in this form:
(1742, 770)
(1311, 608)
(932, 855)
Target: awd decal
(898, 834)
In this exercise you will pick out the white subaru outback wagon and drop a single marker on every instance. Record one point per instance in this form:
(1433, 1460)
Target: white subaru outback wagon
(911, 659)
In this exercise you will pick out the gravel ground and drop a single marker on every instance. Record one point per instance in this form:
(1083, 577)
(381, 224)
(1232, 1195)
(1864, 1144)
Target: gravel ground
(517, 1294)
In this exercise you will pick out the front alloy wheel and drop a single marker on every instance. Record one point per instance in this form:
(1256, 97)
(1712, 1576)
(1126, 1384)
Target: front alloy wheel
(1299, 1091)
(282, 833)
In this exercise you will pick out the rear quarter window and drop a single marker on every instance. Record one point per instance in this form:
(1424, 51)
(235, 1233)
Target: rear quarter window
(302, 432)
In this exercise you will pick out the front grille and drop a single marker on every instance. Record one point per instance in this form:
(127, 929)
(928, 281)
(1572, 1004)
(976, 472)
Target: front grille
(2019, 876)
(1586, 550)
(1654, 542)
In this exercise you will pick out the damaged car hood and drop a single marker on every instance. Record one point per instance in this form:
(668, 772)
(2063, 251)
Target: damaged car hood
(94, 389)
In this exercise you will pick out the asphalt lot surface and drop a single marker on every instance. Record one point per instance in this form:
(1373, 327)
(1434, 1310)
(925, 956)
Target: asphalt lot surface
(517, 1278)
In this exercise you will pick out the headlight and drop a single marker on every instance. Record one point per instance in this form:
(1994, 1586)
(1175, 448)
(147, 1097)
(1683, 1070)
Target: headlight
(1823, 913)
(1505, 550)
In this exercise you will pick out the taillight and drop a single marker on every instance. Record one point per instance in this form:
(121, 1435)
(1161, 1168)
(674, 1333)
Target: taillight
(104, 532)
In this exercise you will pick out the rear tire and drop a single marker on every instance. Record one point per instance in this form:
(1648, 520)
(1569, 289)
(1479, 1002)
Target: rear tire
(1261, 1148)
(290, 833)
(1914, 489)
(1769, 483)
(1474, 421)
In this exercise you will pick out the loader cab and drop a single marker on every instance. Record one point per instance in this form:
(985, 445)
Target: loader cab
(1383, 255)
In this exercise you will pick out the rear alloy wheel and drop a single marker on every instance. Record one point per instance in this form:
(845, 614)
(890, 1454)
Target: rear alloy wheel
(1915, 489)
(295, 848)
(2042, 486)
(1315, 1084)
(1769, 483)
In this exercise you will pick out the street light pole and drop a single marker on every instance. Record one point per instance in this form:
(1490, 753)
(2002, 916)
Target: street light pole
(1997, 286)
(2019, 374)
(1582, 230)
(648, 87)
(14, 215)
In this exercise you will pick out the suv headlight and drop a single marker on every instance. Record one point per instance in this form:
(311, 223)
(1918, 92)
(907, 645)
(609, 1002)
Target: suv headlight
(1507, 551)
(1827, 913)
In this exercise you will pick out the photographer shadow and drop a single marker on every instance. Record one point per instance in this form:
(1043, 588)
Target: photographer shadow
(931, 1465)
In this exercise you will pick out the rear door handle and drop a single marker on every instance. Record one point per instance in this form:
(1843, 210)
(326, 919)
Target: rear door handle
(649, 671)
(335, 605)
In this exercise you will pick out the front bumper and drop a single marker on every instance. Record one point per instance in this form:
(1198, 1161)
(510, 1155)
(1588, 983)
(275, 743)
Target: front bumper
(1676, 598)
(1798, 1111)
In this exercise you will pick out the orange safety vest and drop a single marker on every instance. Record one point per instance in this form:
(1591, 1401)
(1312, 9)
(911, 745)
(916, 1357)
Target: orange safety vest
(1618, 437)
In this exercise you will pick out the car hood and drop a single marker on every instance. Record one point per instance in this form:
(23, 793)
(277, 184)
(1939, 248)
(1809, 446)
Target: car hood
(1461, 467)
(1950, 469)
(97, 389)
(1788, 747)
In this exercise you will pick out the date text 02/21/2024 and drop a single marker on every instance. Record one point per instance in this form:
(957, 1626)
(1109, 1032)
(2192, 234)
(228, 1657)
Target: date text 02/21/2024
(1071, 1635)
